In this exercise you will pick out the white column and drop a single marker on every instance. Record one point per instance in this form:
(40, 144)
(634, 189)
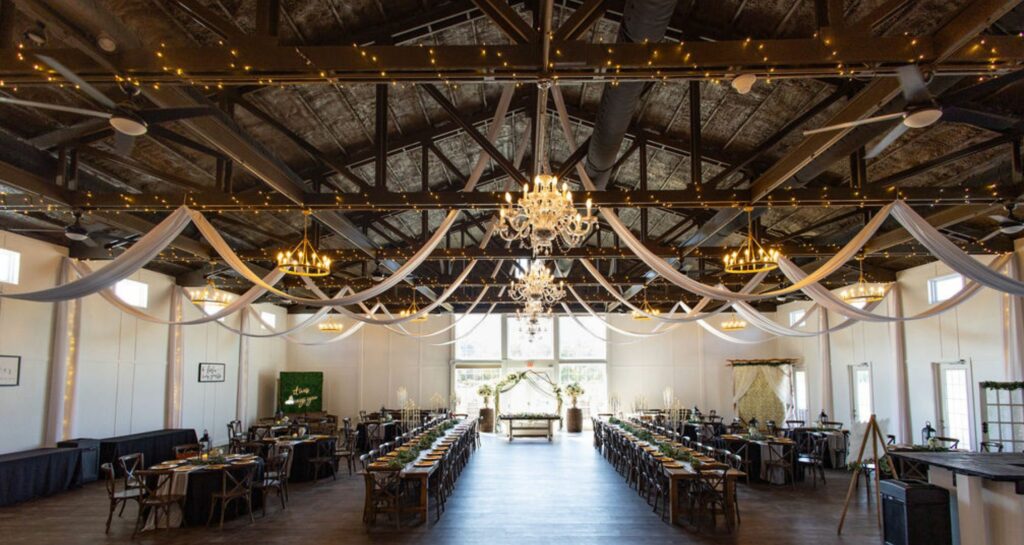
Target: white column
(898, 336)
(175, 363)
(825, 356)
(1013, 324)
(242, 396)
(60, 417)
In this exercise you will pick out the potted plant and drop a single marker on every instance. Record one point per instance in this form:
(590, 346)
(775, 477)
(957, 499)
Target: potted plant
(574, 416)
(486, 413)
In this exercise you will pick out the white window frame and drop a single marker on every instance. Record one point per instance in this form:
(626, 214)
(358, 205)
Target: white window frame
(126, 291)
(796, 315)
(940, 409)
(11, 273)
(934, 282)
(802, 413)
(269, 318)
(852, 369)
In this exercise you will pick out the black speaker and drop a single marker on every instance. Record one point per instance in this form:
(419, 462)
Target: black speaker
(915, 513)
(90, 456)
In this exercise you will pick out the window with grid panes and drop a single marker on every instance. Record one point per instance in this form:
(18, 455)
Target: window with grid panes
(1003, 413)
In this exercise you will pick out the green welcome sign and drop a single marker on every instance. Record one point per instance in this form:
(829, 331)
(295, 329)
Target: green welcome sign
(301, 392)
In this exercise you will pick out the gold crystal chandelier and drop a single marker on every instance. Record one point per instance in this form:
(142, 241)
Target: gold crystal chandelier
(530, 318)
(209, 296)
(863, 292)
(303, 259)
(543, 214)
(751, 257)
(413, 310)
(733, 324)
(646, 310)
(538, 284)
(331, 324)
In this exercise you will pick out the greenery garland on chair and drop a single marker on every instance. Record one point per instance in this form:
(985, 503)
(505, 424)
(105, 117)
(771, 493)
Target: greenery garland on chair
(513, 379)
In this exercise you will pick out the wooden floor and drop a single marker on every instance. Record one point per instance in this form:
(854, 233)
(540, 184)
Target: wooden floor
(529, 491)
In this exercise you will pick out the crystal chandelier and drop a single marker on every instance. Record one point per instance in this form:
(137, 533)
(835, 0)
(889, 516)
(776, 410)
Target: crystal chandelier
(538, 284)
(330, 324)
(863, 292)
(209, 296)
(543, 214)
(303, 259)
(751, 257)
(646, 310)
(733, 324)
(412, 310)
(530, 318)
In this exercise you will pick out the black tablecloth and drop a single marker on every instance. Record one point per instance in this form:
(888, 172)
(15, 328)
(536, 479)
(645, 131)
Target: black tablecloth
(302, 469)
(363, 438)
(199, 495)
(692, 430)
(157, 446)
(40, 472)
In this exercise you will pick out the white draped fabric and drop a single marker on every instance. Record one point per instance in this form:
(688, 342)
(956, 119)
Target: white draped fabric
(743, 378)
(825, 357)
(469, 331)
(898, 342)
(242, 391)
(175, 362)
(778, 377)
(133, 259)
(1013, 324)
(63, 374)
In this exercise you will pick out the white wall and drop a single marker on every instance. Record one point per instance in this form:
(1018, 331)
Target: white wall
(365, 370)
(689, 359)
(121, 377)
(973, 331)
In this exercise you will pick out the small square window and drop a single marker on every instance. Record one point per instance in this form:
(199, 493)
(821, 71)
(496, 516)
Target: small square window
(269, 320)
(796, 315)
(10, 266)
(943, 287)
(132, 292)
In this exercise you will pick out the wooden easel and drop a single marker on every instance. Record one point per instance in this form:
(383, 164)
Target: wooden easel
(874, 435)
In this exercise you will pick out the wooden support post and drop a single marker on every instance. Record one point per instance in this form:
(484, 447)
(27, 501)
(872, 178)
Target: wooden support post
(643, 187)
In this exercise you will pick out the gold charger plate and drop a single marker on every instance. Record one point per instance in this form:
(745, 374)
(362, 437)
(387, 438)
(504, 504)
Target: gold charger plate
(424, 464)
(673, 465)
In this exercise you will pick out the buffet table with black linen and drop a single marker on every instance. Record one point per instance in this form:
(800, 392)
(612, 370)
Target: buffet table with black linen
(198, 482)
(39, 472)
(156, 446)
(364, 429)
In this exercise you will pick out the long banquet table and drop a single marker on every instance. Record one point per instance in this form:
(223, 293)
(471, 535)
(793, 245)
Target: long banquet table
(156, 446)
(39, 472)
(530, 431)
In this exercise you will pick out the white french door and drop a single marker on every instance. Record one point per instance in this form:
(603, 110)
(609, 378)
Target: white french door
(861, 402)
(953, 382)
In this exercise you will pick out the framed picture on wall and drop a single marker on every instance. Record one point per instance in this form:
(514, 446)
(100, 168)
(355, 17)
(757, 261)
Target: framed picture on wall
(10, 370)
(211, 372)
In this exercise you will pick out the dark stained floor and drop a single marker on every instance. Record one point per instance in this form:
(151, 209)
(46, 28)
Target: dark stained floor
(530, 491)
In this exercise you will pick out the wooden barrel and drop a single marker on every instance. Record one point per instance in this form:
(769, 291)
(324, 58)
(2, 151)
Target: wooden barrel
(574, 420)
(487, 420)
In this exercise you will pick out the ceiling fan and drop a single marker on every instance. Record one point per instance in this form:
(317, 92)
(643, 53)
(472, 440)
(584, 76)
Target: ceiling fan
(75, 231)
(127, 121)
(1008, 224)
(921, 111)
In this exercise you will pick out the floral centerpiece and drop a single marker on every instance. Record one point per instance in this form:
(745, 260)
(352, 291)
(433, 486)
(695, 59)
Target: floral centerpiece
(574, 391)
(485, 391)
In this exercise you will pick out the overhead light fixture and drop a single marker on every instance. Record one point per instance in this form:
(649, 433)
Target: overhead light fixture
(330, 324)
(751, 257)
(646, 310)
(734, 324)
(106, 42)
(128, 123)
(538, 284)
(413, 310)
(209, 296)
(744, 82)
(75, 231)
(36, 35)
(863, 292)
(303, 260)
(543, 214)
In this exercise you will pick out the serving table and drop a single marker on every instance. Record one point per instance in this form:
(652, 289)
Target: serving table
(155, 446)
(986, 489)
(39, 472)
(527, 427)
(426, 464)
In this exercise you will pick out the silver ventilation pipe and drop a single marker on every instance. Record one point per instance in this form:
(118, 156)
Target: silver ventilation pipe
(642, 20)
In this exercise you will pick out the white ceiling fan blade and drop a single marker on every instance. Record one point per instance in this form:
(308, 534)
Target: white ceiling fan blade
(85, 86)
(857, 123)
(70, 133)
(887, 141)
(915, 90)
(55, 107)
(1012, 229)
